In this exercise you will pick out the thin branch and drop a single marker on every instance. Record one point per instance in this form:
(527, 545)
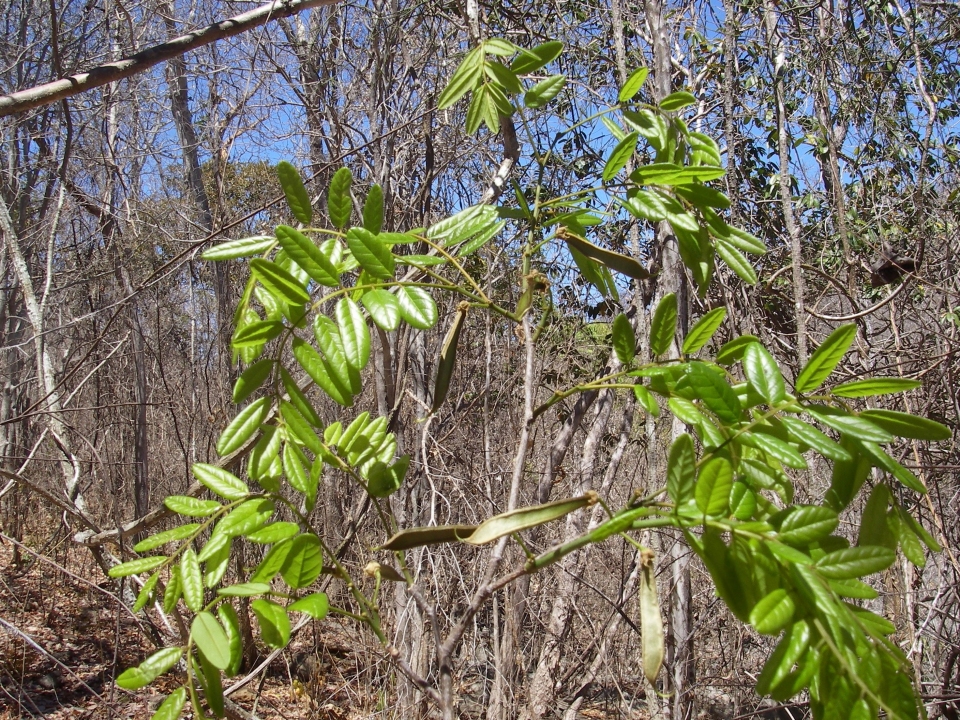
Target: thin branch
(51, 92)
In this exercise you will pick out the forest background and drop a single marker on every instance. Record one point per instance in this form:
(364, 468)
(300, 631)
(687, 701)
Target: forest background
(838, 123)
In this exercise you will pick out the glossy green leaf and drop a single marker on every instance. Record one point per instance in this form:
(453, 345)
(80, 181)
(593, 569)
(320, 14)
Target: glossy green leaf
(806, 524)
(763, 373)
(702, 196)
(776, 448)
(191, 580)
(671, 174)
(353, 332)
(245, 247)
(709, 386)
(646, 205)
(247, 517)
(663, 326)
(907, 426)
(216, 563)
(243, 426)
(330, 343)
(788, 652)
(303, 562)
(851, 425)
(315, 605)
(308, 256)
(274, 623)
(150, 669)
(173, 590)
(882, 460)
(146, 593)
(297, 198)
(773, 612)
(632, 84)
(211, 640)
(713, 487)
(255, 334)
(281, 284)
(371, 253)
(624, 340)
(620, 156)
(855, 562)
(853, 589)
(825, 358)
(529, 61)
(743, 501)
(464, 79)
(677, 101)
(172, 707)
(320, 372)
(162, 538)
(615, 261)
(339, 202)
(735, 349)
(875, 386)
(373, 210)
(417, 307)
(134, 567)
(544, 91)
(809, 435)
(383, 307)
(251, 379)
(736, 261)
(703, 330)
(210, 683)
(222, 482)
(681, 470)
(231, 626)
(244, 589)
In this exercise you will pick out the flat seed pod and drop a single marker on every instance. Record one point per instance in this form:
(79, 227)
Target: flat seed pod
(448, 358)
(651, 622)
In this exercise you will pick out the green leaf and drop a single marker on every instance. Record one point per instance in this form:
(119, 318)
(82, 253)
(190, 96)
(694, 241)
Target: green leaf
(330, 342)
(773, 612)
(671, 174)
(278, 282)
(734, 350)
(615, 261)
(882, 460)
(315, 605)
(851, 425)
(244, 589)
(633, 84)
(620, 156)
(274, 623)
(223, 483)
(217, 560)
(788, 652)
(133, 567)
(146, 593)
(150, 669)
(251, 379)
(809, 435)
(191, 580)
(703, 197)
(171, 708)
(308, 256)
(321, 372)
(448, 358)
(211, 640)
(231, 626)
(906, 425)
(162, 538)
(245, 247)
(624, 340)
(775, 448)
(806, 524)
(855, 562)
(383, 307)
(255, 334)
(529, 61)
(646, 205)
(417, 307)
(339, 202)
(677, 101)
(763, 374)
(703, 330)
(709, 386)
(371, 253)
(743, 501)
(353, 333)
(713, 487)
(874, 386)
(544, 91)
(825, 358)
(295, 192)
(681, 470)
(373, 210)
(874, 529)
(173, 591)
(736, 261)
(274, 532)
(465, 78)
(303, 562)
(663, 326)
(247, 517)
(243, 426)
(853, 589)
(210, 683)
